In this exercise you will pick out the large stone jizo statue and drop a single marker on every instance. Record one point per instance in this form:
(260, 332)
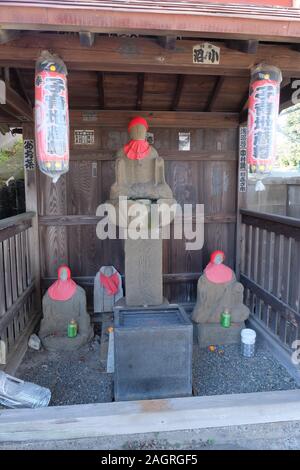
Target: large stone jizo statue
(140, 178)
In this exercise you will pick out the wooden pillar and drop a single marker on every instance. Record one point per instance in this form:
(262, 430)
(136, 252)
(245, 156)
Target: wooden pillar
(31, 196)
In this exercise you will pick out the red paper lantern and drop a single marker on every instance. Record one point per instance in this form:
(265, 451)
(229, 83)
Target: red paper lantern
(51, 115)
(263, 108)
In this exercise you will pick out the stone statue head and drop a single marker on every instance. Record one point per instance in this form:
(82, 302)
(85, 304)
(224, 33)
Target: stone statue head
(108, 270)
(137, 128)
(217, 257)
(64, 273)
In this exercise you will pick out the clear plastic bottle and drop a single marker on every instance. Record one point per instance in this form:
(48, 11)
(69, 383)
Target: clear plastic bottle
(248, 338)
(15, 393)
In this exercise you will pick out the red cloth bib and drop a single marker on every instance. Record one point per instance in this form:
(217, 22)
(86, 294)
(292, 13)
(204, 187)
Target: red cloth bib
(218, 273)
(62, 290)
(110, 283)
(137, 149)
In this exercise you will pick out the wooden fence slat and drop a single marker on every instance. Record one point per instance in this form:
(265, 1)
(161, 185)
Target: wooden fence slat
(2, 286)
(27, 254)
(7, 274)
(23, 259)
(13, 265)
(19, 264)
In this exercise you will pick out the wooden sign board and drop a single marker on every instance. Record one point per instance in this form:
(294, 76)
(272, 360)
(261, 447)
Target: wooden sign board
(29, 154)
(243, 160)
(206, 53)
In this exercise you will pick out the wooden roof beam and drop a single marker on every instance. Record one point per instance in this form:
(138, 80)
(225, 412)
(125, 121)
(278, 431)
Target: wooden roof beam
(248, 47)
(16, 106)
(7, 35)
(141, 54)
(86, 39)
(167, 42)
(214, 94)
(178, 92)
(140, 90)
(286, 94)
(165, 119)
(244, 101)
(8, 119)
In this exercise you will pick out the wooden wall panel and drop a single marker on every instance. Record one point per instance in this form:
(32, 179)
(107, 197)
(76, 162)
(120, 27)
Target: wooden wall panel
(205, 175)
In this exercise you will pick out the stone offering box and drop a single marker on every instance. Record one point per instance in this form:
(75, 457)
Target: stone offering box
(153, 353)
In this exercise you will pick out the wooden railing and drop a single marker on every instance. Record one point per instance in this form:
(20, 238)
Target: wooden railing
(19, 310)
(270, 273)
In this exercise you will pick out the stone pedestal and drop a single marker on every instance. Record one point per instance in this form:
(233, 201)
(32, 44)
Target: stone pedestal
(153, 353)
(143, 272)
(206, 334)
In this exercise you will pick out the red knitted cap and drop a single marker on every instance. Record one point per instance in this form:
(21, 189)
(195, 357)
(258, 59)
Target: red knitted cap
(215, 254)
(138, 120)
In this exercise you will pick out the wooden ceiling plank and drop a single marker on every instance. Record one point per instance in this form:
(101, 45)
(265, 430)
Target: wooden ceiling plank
(215, 94)
(140, 90)
(100, 83)
(23, 87)
(178, 92)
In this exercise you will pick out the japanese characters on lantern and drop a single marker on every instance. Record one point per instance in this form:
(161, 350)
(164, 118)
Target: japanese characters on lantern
(262, 117)
(51, 116)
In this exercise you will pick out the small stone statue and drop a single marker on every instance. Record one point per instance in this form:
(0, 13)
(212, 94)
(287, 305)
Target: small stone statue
(63, 302)
(107, 289)
(218, 290)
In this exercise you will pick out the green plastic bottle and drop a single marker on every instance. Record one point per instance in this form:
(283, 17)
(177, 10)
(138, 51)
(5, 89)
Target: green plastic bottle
(225, 318)
(72, 329)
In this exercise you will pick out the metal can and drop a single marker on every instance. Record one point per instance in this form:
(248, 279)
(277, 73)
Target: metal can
(225, 319)
(72, 329)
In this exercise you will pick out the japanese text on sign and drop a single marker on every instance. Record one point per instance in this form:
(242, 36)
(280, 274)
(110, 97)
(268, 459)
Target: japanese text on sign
(29, 158)
(206, 53)
(84, 137)
(243, 160)
(264, 108)
(56, 116)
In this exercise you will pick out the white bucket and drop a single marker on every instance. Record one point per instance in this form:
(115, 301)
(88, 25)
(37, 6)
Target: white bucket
(248, 338)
